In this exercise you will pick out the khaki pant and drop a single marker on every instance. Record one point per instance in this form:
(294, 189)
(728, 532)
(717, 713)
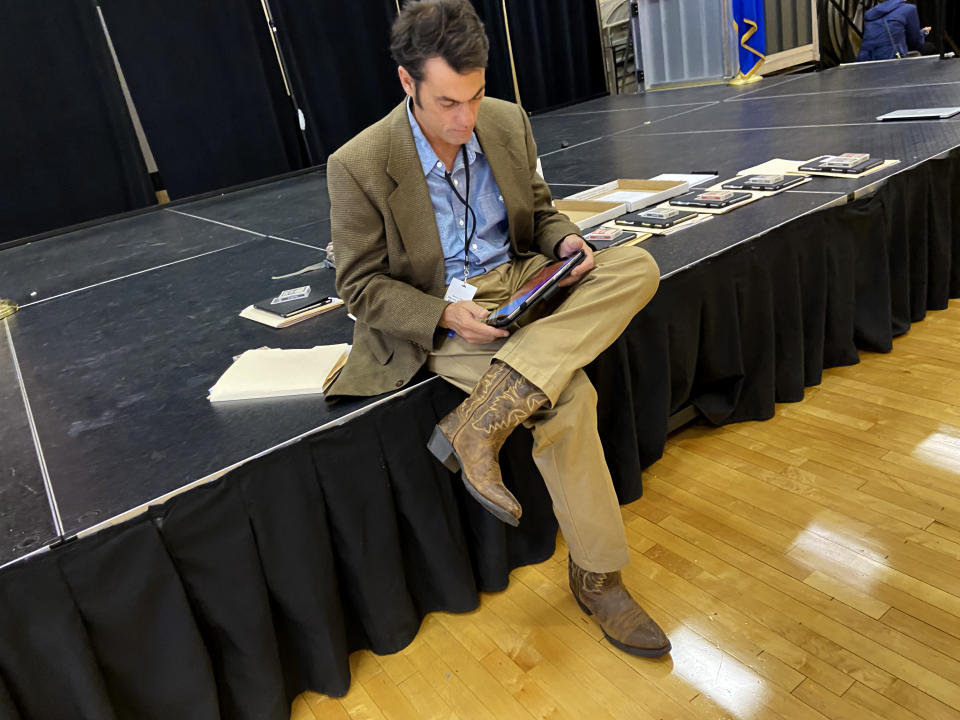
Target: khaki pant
(550, 352)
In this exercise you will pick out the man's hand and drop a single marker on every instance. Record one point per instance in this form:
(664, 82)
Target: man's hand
(465, 319)
(570, 245)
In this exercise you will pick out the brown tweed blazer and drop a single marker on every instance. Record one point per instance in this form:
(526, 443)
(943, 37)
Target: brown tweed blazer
(390, 269)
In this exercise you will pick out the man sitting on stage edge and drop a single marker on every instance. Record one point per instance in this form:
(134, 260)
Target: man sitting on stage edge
(437, 216)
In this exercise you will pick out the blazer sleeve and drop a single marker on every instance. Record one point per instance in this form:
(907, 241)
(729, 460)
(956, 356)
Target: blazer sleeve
(363, 271)
(549, 225)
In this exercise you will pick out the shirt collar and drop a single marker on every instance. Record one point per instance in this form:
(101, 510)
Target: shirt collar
(428, 158)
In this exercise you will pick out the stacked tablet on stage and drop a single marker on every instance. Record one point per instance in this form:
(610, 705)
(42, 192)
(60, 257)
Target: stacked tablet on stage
(771, 183)
(847, 163)
(659, 218)
(711, 199)
(604, 237)
(290, 307)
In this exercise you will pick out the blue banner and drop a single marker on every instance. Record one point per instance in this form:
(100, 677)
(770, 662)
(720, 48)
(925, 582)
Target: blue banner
(748, 17)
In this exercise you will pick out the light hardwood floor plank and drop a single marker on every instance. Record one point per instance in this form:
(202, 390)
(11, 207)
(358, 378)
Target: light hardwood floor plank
(805, 567)
(426, 701)
(872, 701)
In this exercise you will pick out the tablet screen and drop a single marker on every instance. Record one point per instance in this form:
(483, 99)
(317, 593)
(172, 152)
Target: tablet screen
(518, 304)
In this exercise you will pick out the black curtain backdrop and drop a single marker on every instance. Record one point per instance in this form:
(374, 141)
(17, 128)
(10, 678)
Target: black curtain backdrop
(338, 55)
(234, 597)
(209, 91)
(499, 75)
(927, 10)
(556, 46)
(67, 147)
(208, 88)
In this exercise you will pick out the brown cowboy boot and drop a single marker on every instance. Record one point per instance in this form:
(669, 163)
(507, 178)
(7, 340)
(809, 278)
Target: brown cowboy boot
(623, 622)
(470, 437)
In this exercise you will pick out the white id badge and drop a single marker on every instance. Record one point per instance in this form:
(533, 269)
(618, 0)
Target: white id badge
(459, 290)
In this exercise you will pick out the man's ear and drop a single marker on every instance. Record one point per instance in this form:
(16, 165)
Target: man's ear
(406, 80)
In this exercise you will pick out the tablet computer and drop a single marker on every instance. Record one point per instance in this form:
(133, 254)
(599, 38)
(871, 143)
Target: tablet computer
(827, 163)
(656, 218)
(710, 199)
(537, 289)
(604, 237)
(292, 302)
(764, 182)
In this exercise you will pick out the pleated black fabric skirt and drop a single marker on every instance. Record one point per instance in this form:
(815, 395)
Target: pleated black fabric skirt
(234, 597)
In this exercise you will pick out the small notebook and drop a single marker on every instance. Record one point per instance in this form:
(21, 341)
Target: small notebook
(270, 373)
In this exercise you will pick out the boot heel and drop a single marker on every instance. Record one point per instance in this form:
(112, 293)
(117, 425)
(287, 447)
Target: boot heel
(442, 450)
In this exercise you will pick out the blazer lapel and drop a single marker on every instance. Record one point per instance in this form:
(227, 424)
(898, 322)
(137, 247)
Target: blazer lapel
(507, 171)
(410, 201)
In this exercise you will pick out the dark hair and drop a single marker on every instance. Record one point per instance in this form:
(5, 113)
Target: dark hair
(449, 29)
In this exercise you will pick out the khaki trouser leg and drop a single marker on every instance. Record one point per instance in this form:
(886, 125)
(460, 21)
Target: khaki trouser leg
(568, 453)
(551, 353)
(597, 310)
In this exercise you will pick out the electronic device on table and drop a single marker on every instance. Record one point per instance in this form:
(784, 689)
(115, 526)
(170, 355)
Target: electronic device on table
(604, 237)
(293, 302)
(847, 163)
(659, 218)
(764, 182)
(710, 199)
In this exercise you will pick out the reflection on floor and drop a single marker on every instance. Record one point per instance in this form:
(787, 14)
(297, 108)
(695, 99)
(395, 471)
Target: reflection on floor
(804, 567)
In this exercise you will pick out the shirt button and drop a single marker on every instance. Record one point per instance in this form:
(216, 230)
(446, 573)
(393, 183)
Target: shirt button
(474, 246)
(461, 222)
(500, 198)
(439, 164)
(456, 182)
(398, 383)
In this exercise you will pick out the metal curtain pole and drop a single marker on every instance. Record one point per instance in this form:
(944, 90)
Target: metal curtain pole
(637, 46)
(513, 65)
(731, 43)
(603, 52)
(148, 159)
(287, 84)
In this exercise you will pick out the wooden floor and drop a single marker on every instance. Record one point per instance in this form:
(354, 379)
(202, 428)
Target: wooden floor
(804, 567)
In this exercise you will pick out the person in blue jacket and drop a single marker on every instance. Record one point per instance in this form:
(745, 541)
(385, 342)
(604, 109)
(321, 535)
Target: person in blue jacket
(890, 30)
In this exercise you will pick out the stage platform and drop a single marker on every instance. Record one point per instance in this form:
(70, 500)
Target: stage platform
(124, 326)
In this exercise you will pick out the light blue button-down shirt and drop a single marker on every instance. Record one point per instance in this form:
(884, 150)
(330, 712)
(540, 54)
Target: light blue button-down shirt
(490, 245)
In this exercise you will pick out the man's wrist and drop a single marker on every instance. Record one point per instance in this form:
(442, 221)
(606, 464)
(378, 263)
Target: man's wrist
(556, 248)
(443, 318)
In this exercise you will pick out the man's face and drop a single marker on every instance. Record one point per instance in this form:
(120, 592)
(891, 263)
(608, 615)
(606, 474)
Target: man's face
(447, 103)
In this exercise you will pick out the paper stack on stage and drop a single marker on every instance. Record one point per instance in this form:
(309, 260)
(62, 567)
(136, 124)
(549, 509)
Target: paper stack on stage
(269, 373)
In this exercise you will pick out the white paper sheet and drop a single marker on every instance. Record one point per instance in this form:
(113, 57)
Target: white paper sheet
(692, 179)
(626, 196)
(270, 372)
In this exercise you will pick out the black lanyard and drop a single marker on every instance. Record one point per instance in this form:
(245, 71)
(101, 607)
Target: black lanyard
(469, 211)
